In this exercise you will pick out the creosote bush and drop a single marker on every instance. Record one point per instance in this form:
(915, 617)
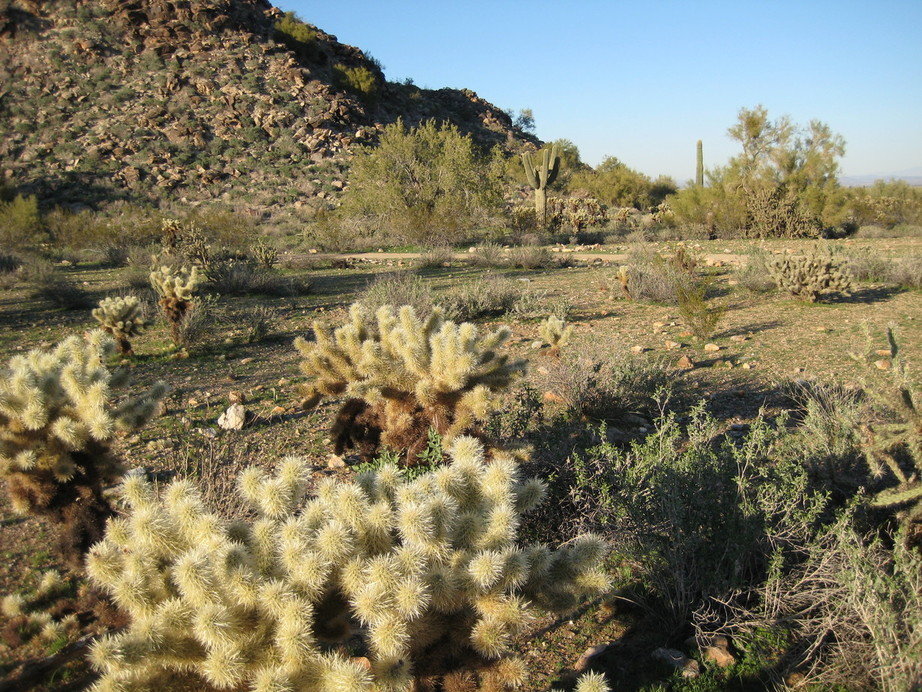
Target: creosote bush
(427, 573)
(810, 277)
(699, 315)
(402, 375)
(123, 318)
(58, 416)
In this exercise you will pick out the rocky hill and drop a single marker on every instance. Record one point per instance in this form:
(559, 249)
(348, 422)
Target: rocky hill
(187, 100)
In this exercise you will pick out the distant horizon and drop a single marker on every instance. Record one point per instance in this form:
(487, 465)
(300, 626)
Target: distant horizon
(645, 81)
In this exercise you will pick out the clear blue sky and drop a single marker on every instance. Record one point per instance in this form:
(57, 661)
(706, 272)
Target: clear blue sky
(644, 80)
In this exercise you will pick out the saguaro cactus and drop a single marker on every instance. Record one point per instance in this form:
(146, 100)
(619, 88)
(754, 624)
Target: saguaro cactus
(540, 176)
(425, 578)
(699, 168)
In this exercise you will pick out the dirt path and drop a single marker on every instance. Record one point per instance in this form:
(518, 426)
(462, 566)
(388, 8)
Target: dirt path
(606, 257)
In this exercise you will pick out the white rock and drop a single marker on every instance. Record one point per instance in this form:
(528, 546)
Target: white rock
(234, 418)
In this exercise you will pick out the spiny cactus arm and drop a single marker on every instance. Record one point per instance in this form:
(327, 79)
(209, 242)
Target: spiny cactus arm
(898, 496)
(550, 167)
(531, 171)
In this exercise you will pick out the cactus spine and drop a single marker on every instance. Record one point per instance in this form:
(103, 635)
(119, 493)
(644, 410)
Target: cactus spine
(556, 333)
(699, 167)
(425, 577)
(540, 175)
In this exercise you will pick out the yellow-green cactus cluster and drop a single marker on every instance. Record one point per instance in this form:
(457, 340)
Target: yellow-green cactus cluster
(58, 415)
(590, 682)
(175, 284)
(122, 318)
(176, 288)
(414, 373)
(56, 404)
(809, 277)
(29, 614)
(427, 573)
(555, 332)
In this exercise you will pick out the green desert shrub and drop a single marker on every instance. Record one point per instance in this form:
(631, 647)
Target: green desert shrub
(9, 262)
(436, 258)
(906, 271)
(699, 314)
(197, 326)
(398, 288)
(886, 204)
(59, 416)
(427, 184)
(232, 276)
(428, 574)
(21, 223)
(531, 257)
(835, 580)
(487, 296)
(865, 265)
(52, 285)
(488, 255)
(754, 275)
(298, 36)
(696, 514)
(358, 80)
(601, 386)
(649, 277)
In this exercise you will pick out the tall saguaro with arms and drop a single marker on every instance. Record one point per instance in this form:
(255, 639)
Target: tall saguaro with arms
(540, 176)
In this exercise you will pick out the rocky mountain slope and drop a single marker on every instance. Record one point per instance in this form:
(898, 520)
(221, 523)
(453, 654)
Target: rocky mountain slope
(159, 100)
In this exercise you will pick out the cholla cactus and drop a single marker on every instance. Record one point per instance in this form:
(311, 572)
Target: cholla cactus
(57, 419)
(266, 255)
(590, 682)
(176, 289)
(122, 318)
(426, 572)
(555, 333)
(29, 617)
(403, 375)
(624, 281)
(810, 277)
(886, 445)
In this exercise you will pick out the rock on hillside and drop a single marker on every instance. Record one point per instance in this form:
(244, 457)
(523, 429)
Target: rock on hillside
(152, 100)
